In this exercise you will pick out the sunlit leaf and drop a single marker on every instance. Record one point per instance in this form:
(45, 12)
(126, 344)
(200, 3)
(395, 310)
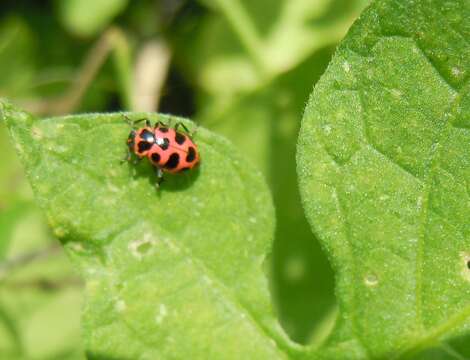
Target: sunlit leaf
(166, 272)
(383, 165)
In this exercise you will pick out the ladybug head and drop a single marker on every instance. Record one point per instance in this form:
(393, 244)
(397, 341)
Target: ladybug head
(141, 141)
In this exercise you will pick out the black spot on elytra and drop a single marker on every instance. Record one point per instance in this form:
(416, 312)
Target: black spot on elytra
(147, 136)
(191, 154)
(180, 138)
(163, 129)
(155, 157)
(165, 144)
(143, 146)
(173, 161)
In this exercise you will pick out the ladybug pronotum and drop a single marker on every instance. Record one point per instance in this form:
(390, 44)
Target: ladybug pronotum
(167, 149)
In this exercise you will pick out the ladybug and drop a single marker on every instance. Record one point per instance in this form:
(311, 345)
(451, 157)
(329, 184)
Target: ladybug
(168, 149)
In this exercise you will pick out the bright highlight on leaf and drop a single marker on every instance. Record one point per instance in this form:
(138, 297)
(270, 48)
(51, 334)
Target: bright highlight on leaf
(384, 169)
(176, 273)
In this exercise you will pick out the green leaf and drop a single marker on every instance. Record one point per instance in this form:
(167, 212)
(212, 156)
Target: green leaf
(176, 273)
(383, 162)
(88, 17)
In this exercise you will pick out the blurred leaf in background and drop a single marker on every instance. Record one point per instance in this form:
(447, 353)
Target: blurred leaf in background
(88, 17)
(38, 289)
(40, 295)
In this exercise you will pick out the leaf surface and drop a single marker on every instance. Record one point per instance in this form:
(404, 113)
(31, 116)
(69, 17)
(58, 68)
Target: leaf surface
(175, 274)
(384, 169)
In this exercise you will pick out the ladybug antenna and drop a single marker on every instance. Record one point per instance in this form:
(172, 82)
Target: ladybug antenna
(128, 120)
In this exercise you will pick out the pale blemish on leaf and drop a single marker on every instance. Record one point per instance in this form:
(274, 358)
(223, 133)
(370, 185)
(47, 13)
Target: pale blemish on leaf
(206, 279)
(37, 133)
(456, 72)
(397, 93)
(113, 188)
(327, 129)
(60, 232)
(371, 280)
(75, 246)
(142, 247)
(162, 314)
(120, 305)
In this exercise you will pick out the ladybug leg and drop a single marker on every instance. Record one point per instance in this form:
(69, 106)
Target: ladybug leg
(128, 120)
(190, 133)
(127, 158)
(158, 123)
(160, 178)
(132, 123)
(183, 126)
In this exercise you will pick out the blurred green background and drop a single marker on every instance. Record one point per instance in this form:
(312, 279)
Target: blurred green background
(241, 68)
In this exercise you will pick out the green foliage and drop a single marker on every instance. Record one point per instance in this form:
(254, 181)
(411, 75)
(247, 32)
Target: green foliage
(88, 17)
(166, 271)
(39, 293)
(16, 61)
(383, 165)
(183, 272)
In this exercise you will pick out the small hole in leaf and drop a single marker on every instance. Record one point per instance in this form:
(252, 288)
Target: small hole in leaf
(371, 280)
(468, 264)
(144, 248)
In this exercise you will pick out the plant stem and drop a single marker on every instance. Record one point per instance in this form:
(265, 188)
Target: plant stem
(8, 266)
(113, 40)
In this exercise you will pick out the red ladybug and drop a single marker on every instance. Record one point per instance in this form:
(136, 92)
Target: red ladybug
(167, 149)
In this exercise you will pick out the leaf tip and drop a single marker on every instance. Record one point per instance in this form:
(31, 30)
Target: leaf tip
(10, 114)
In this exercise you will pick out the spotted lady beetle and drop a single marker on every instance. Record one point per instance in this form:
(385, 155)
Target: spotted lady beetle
(167, 148)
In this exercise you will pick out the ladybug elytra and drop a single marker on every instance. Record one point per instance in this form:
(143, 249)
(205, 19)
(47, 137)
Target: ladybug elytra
(167, 148)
